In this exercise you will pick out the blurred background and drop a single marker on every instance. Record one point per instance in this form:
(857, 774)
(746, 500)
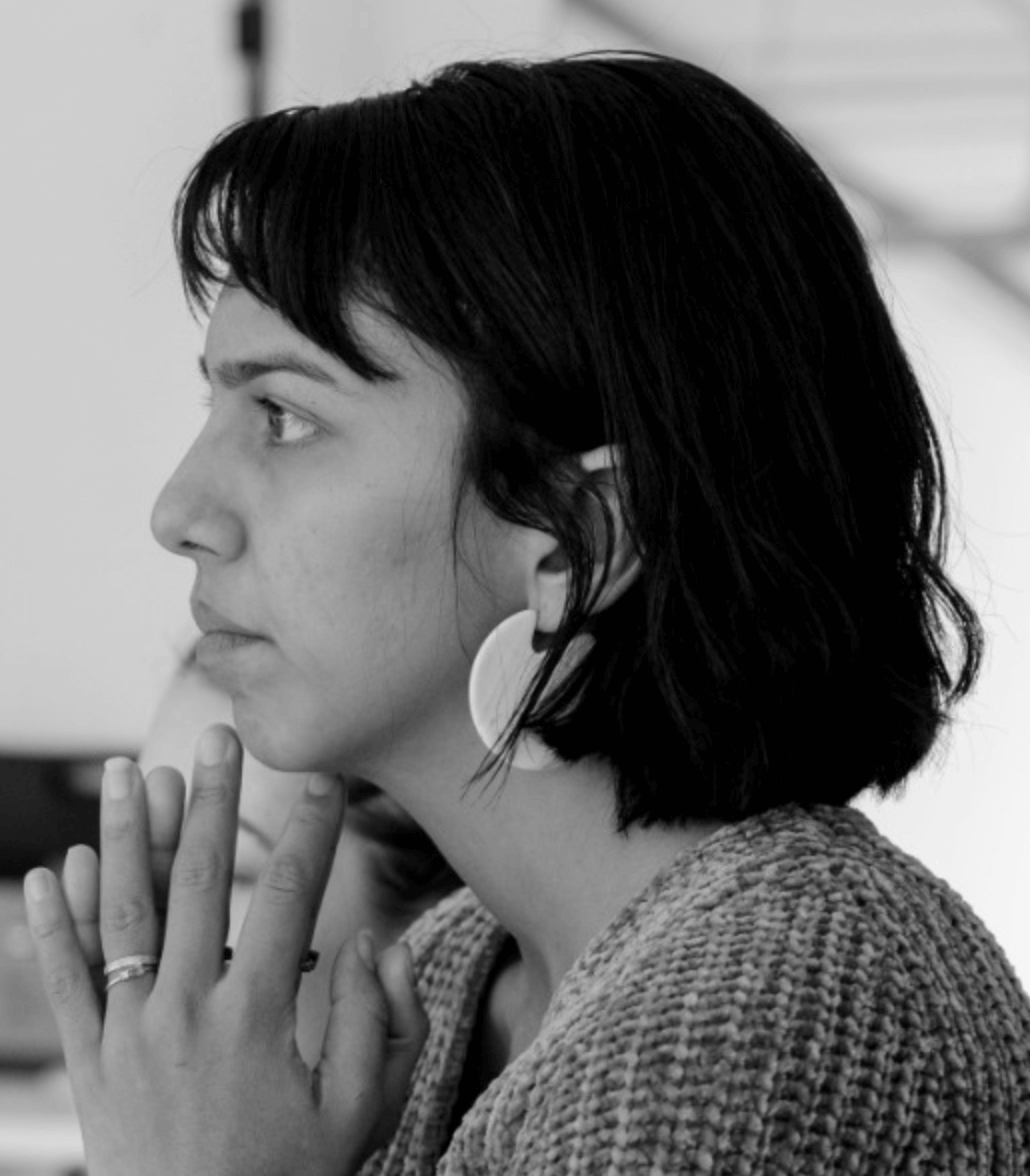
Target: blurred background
(919, 109)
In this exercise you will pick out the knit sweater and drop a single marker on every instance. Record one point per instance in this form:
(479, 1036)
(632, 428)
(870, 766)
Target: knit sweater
(794, 996)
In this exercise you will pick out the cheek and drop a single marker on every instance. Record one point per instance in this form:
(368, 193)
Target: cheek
(371, 582)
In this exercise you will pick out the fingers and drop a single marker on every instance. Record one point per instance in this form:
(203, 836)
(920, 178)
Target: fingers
(280, 919)
(376, 1032)
(64, 969)
(201, 877)
(409, 1028)
(80, 880)
(128, 921)
(166, 797)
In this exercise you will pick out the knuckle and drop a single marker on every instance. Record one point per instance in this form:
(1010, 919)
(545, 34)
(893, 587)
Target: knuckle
(209, 793)
(127, 914)
(118, 826)
(61, 984)
(45, 929)
(310, 814)
(287, 877)
(198, 869)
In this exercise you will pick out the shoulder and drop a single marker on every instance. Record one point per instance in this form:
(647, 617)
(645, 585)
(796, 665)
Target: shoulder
(794, 912)
(797, 985)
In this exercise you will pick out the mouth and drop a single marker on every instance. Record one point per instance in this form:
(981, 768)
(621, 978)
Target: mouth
(219, 634)
(221, 641)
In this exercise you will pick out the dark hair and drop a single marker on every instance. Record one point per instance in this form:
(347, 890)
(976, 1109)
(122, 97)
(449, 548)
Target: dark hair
(623, 249)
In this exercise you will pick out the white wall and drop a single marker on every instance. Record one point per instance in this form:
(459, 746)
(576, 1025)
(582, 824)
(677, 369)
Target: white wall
(105, 105)
(967, 814)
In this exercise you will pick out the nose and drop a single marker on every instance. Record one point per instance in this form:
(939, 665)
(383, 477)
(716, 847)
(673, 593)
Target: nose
(193, 515)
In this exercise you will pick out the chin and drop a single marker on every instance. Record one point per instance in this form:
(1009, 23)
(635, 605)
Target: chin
(285, 743)
(270, 742)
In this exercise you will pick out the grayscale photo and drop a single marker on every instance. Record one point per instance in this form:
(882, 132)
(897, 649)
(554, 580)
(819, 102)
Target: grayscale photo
(515, 628)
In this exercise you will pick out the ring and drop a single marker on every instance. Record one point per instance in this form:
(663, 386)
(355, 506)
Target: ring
(128, 968)
(132, 961)
(307, 964)
(131, 967)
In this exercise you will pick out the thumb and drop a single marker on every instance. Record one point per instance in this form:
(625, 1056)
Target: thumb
(376, 1031)
(409, 1028)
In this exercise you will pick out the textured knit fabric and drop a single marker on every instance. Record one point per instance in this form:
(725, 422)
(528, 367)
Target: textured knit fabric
(794, 996)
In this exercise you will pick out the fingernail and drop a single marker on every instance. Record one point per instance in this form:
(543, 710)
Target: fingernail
(37, 885)
(320, 783)
(367, 950)
(118, 773)
(213, 747)
(409, 965)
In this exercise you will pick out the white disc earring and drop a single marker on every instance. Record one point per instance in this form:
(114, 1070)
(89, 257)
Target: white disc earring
(502, 672)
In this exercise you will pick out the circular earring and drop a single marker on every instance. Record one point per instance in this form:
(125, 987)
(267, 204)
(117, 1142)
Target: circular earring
(503, 669)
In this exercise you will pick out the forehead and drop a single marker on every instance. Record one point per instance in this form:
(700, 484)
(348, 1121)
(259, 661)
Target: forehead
(242, 328)
(409, 428)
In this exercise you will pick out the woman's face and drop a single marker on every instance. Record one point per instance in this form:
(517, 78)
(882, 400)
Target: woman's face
(317, 508)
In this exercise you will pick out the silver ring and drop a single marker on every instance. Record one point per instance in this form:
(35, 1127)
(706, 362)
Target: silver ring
(128, 972)
(131, 961)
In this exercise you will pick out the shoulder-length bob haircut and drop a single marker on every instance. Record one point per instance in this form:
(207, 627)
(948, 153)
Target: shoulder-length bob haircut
(621, 249)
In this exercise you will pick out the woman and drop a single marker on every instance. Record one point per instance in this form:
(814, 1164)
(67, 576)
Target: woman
(565, 477)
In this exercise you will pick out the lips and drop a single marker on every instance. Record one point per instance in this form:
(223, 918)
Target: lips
(222, 641)
(213, 623)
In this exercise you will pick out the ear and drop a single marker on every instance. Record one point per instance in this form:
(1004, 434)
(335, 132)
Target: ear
(597, 481)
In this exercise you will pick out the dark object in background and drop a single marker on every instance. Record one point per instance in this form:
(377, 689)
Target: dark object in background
(251, 43)
(46, 805)
(28, 1032)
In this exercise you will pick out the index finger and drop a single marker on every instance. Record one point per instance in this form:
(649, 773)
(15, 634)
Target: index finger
(281, 917)
(198, 904)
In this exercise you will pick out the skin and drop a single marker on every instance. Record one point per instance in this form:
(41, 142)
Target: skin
(323, 526)
(352, 900)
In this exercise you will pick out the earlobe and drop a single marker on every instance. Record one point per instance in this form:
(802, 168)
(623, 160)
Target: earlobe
(503, 672)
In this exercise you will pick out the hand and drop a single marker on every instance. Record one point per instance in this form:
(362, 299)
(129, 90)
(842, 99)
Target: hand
(195, 1069)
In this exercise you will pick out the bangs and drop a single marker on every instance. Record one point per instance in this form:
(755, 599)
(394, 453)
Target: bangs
(313, 210)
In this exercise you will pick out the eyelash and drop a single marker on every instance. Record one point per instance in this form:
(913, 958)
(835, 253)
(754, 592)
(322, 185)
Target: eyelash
(274, 413)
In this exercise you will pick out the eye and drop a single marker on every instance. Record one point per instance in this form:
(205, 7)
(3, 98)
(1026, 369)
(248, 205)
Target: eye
(285, 427)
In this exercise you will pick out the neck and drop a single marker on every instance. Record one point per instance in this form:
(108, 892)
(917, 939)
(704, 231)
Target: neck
(540, 851)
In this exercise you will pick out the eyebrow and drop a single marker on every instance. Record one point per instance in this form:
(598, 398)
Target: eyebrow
(234, 373)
